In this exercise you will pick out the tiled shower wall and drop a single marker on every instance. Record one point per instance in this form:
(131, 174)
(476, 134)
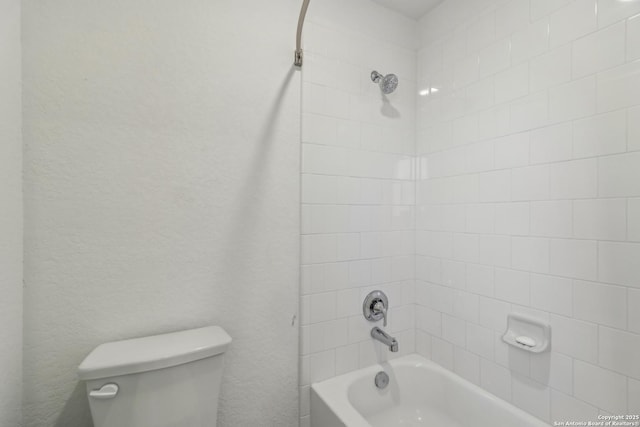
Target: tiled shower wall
(528, 199)
(358, 187)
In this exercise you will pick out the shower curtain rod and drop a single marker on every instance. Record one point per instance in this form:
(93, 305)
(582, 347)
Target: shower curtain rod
(298, 54)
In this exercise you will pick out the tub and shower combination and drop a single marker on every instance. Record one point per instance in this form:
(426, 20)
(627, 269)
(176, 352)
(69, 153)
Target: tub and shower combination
(419, 393)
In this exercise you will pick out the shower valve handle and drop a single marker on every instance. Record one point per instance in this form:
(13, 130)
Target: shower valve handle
(375, 307)
(379, 307)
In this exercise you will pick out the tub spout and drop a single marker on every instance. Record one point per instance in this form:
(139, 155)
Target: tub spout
(386, 339)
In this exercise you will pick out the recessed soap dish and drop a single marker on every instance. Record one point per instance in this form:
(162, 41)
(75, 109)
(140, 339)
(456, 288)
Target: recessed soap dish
(527, 333)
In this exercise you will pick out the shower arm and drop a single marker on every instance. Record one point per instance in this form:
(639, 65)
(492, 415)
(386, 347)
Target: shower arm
(298, 54)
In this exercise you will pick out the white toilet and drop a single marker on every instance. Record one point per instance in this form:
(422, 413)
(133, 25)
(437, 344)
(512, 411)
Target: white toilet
(170, 380)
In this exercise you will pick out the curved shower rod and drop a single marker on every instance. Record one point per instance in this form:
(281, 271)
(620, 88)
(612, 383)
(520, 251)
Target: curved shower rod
(298, 54)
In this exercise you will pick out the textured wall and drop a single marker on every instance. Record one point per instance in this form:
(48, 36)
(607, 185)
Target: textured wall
(358, 187)
(528, 199)
(161, 188)
(10, 215)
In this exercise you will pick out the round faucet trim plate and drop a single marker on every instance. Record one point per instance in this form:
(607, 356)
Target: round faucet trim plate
(370, 310)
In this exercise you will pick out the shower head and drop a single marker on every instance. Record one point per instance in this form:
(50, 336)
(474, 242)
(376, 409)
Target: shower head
(387, 83)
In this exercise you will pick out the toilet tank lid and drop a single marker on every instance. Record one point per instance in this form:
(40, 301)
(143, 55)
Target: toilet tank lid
(154, 352)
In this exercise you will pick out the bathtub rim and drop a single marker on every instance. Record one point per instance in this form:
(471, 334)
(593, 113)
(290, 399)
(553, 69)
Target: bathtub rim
(333, 392)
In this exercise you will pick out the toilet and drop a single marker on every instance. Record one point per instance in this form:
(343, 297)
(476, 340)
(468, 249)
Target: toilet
(169, 380)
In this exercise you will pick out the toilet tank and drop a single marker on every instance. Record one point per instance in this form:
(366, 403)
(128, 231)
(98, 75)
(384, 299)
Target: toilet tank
(169, 380)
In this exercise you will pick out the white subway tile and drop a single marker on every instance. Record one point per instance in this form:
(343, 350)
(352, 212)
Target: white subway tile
(597, 303)
(574, 258)
(512, 151)
(619, 176)
(619, 87)
(551, 69)
(495, 250)
(442, 353)
(633, 129)
(466, 306)
(429, 320)
(381, 270)
(495, 379)
(600, 387)
(573, 100)
(540, 8)
(531, 41)
(633, 305)
(494, 58)
(318, 129)
(531, 396)
(564, 407)
(530, 254)
(599, 51)
(454, 330)
(480, 279)
(552, 144)
(479, 340)
(348, 134)
(572, 21)
(633, 396)
(466, 71)
(479, 95)
(494, 122)
(574, 180)
(453, 274)
(348, 246)
(512, 218)
(610, 11)
(553, 369)
(618, 263)
(437, 297)
(551, 218)
(600, 135)
(428, 269)
(322, 366)
(359, 273)
(436, 244)
(466, 364)
(553, 294)
(423, 344)
(618, 351)
(529, 112)
(327, 335)
(481, 32)
(480, 218)
(347, 359)
(493, 313)
(530, 183)
(633, 38)
(512, 286)
(453, 218)
(574, 338)
(511, 17)
(465, 130)
(600, 219)
(322, 307)
(495, 186)
(512, 83)
(348, 303)
(479, 156)
(368, 352)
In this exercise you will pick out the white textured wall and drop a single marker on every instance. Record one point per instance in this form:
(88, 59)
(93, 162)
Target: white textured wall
(528, 199)
(162, 192)
(358, 187)
(10, 215)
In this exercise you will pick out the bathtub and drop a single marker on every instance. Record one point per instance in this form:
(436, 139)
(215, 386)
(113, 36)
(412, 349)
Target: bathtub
(420, 393)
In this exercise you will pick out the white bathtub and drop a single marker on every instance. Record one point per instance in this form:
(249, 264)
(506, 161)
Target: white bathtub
(420, 393)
